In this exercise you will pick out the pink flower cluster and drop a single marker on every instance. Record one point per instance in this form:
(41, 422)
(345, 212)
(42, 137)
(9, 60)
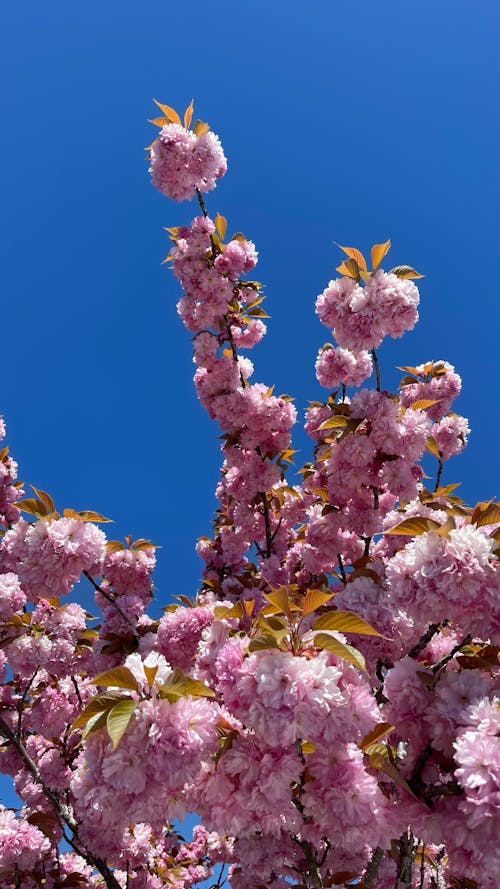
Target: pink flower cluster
(335, 366)
(208, 281)
(370, 463)
(9, 493)
(455, 577)
(22, 845)
(436, 381)
(182, 162)
(361, 317)
(49, 556)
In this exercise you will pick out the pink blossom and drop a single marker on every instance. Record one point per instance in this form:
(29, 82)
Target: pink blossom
(179, 633)
(50, 556)
(12, 597)
(22, 845)
(336, 366)
(450, 434)
(362, 316)
(182, 162)
(440, 384)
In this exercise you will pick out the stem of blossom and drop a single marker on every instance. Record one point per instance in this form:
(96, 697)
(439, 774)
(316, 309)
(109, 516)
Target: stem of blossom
(77, 691)
(312, 868)
(342, 569)
(269, 536)
(22, 702)
(442, 663)
(233, 350)
(371, 870)
(376, 367)
(426, 638)
(64, 813)
(439, 471)
(201, 202)
(111, 601)
(422, 867)
(415, 782)
(215, 247)
(405, 862)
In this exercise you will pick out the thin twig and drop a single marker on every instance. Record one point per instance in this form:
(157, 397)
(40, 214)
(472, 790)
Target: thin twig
(23, 701)
(442, 663)
(405, 862)
(267, 523)
(377, 368)
(64, 813)
(342, 569)
(112, 601)
(201, 202)
(77, 690)
(439, 471)
(371, 870)
(426, 638)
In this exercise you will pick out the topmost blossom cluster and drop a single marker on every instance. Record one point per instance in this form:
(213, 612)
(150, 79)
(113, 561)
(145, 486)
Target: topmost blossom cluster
(184, 161)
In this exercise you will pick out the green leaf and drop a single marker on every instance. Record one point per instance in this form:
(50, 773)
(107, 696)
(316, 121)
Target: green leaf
(169, 112)
(99, 704)
(279, 599)
(95, 723)
(489, 515)
(345, 622)
(33, 507)
(114, 546)
(200, 128)
(120, 676)
(378, 253)
(342, 649)
(414, 526)
(404, 271)
(349, 268)
(45, 498)
(380, 731)
(158, 122)
(334, 422)
(422, 403)
(315, 599)
(221, 226)
(88, 515)
(178, 685)
(432, 447)
(223, 611)
(188, 114)
(356, 255)
(150, 673)
(381, 762)
(118, 720)
(263, 641)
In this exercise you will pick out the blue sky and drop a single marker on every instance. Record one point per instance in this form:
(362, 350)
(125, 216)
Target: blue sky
(345, 121)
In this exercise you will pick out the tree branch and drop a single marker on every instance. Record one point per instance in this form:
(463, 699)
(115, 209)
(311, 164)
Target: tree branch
(112, 601)
(64, 813)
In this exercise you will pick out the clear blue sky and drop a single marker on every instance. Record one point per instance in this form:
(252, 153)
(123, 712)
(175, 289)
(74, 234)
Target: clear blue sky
(347, 121)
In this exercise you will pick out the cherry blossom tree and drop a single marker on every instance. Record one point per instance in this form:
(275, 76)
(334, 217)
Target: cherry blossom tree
(327, 702)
